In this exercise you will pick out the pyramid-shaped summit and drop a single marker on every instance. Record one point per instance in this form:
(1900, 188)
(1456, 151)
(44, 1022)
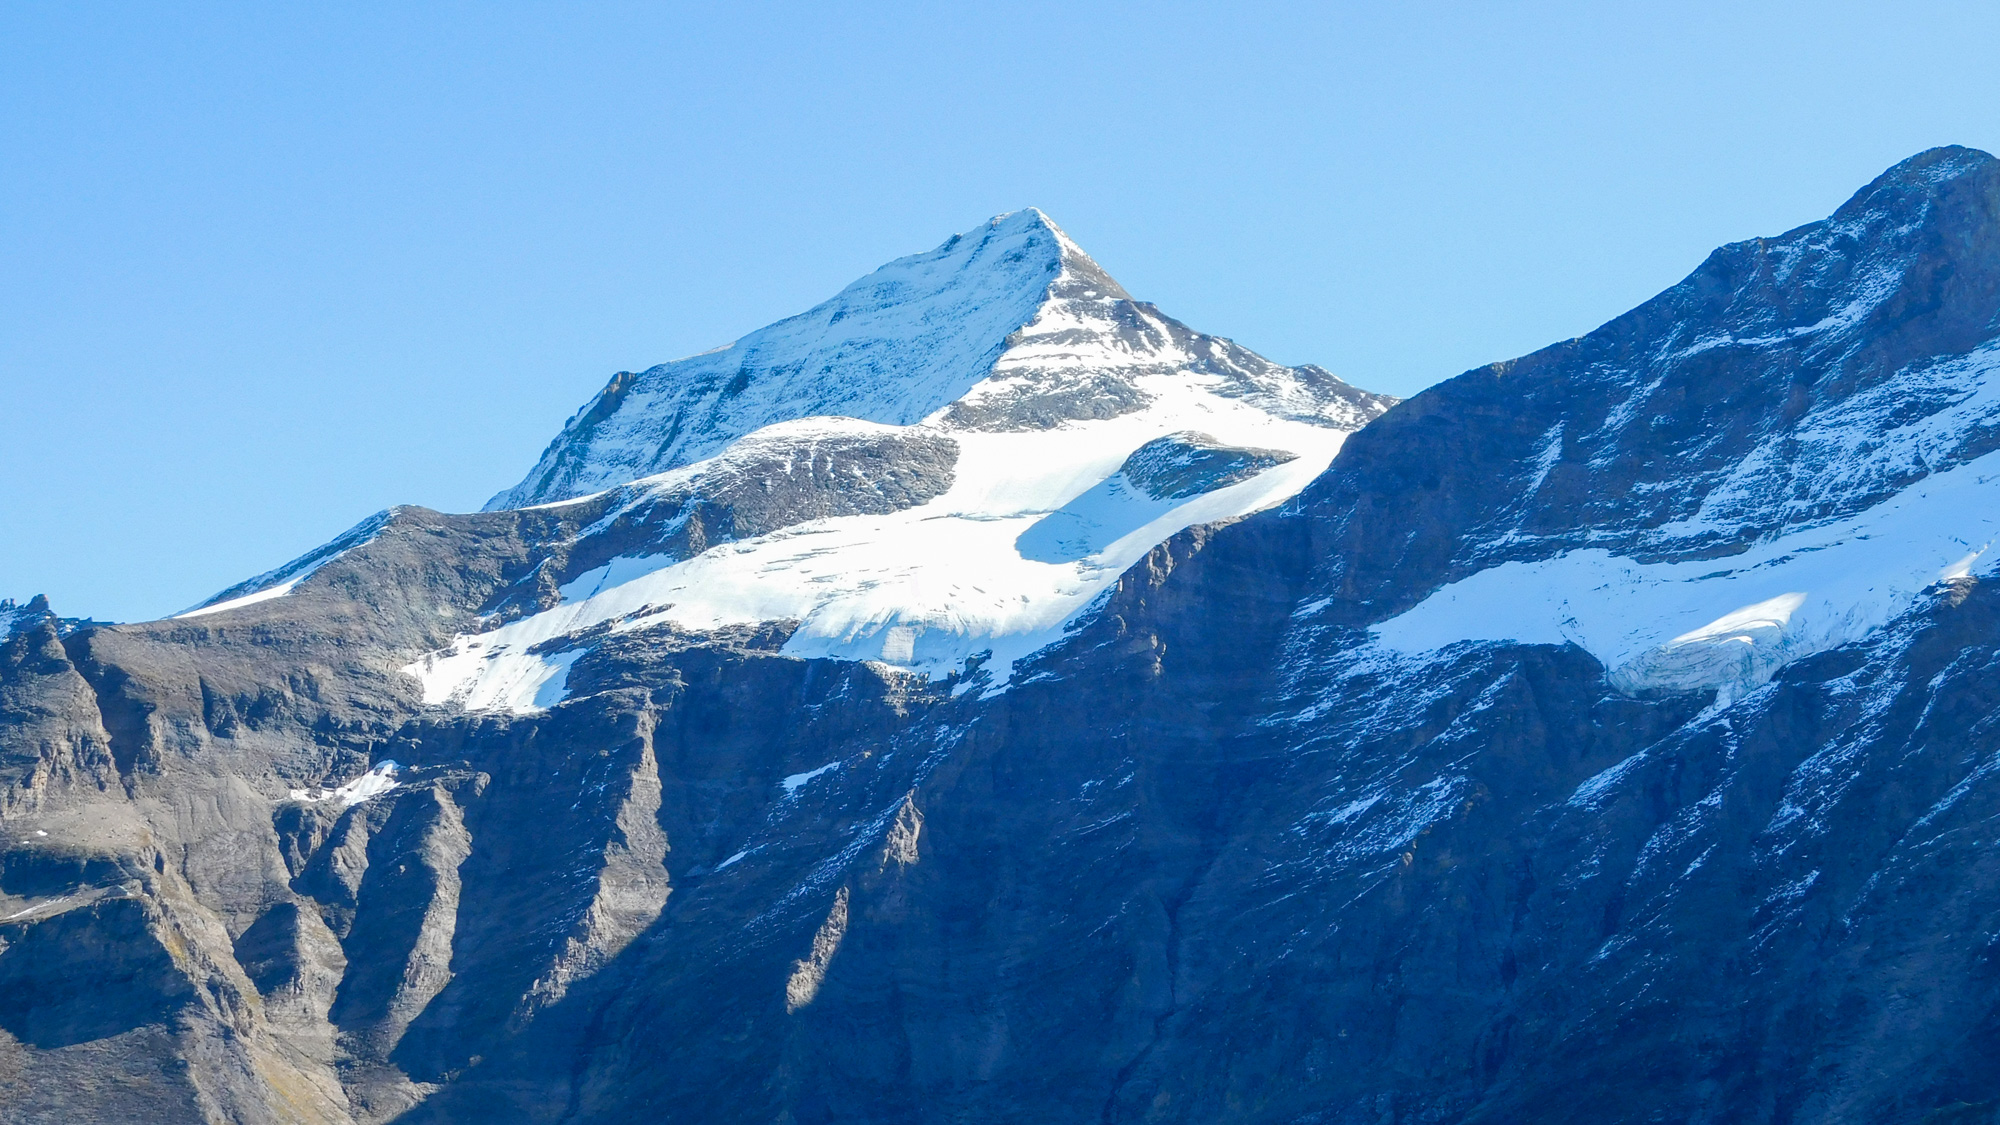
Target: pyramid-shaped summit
(1009, 326)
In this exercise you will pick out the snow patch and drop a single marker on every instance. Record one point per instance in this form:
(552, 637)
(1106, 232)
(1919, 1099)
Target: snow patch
(480, 675)
(1601, 783)
(277, 583)
(369, 785)
(796, 781)
(1726, 623)
(264, 595)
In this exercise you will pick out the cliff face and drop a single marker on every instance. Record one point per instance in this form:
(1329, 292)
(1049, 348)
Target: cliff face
(1605, 735)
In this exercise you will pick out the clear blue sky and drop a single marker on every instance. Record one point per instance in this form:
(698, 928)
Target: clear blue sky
(269, 267)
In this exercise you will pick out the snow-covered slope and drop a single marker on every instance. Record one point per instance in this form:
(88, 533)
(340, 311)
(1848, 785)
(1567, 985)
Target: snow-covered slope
(1727, 623)
(1024, 375)
(926, 587)
(892, 347)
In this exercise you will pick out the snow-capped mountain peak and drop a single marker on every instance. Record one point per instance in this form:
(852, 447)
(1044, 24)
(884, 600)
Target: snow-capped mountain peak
(892, 347)
(944, 460)
(1009, 326)
(1620, 718)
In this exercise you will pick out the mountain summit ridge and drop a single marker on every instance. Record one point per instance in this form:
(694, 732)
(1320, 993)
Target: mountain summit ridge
(1010, 325)
(1774, 457)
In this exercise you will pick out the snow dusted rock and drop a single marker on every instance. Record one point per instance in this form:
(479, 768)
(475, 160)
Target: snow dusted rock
(277, 583)
(14, 617)
(790, 473)
(22, 617)
(17, 618)
(377, 781)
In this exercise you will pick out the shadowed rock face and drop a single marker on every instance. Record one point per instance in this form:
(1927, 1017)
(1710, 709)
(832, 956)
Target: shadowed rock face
(1219, 856)
(1187, 464)
(87, 974)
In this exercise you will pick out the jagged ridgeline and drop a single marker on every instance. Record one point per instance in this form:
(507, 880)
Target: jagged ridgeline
(982, 697)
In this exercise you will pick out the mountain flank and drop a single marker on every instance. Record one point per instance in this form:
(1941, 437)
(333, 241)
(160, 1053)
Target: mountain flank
(982, 697)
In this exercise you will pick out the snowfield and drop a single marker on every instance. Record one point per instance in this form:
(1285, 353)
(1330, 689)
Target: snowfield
(1727, 623)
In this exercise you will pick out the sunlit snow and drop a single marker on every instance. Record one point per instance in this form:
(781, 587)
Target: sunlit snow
(369, 785)
(263, 595)
(1727, 623)
(924, 588)
(892, 347)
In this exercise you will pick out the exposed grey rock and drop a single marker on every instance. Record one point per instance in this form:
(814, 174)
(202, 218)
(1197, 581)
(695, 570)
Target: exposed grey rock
(405, 915)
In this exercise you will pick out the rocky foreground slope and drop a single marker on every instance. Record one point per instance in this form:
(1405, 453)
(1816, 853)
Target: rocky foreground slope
(1606, 735)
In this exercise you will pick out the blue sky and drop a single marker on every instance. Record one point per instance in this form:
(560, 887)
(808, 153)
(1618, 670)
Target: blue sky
(270, 268)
